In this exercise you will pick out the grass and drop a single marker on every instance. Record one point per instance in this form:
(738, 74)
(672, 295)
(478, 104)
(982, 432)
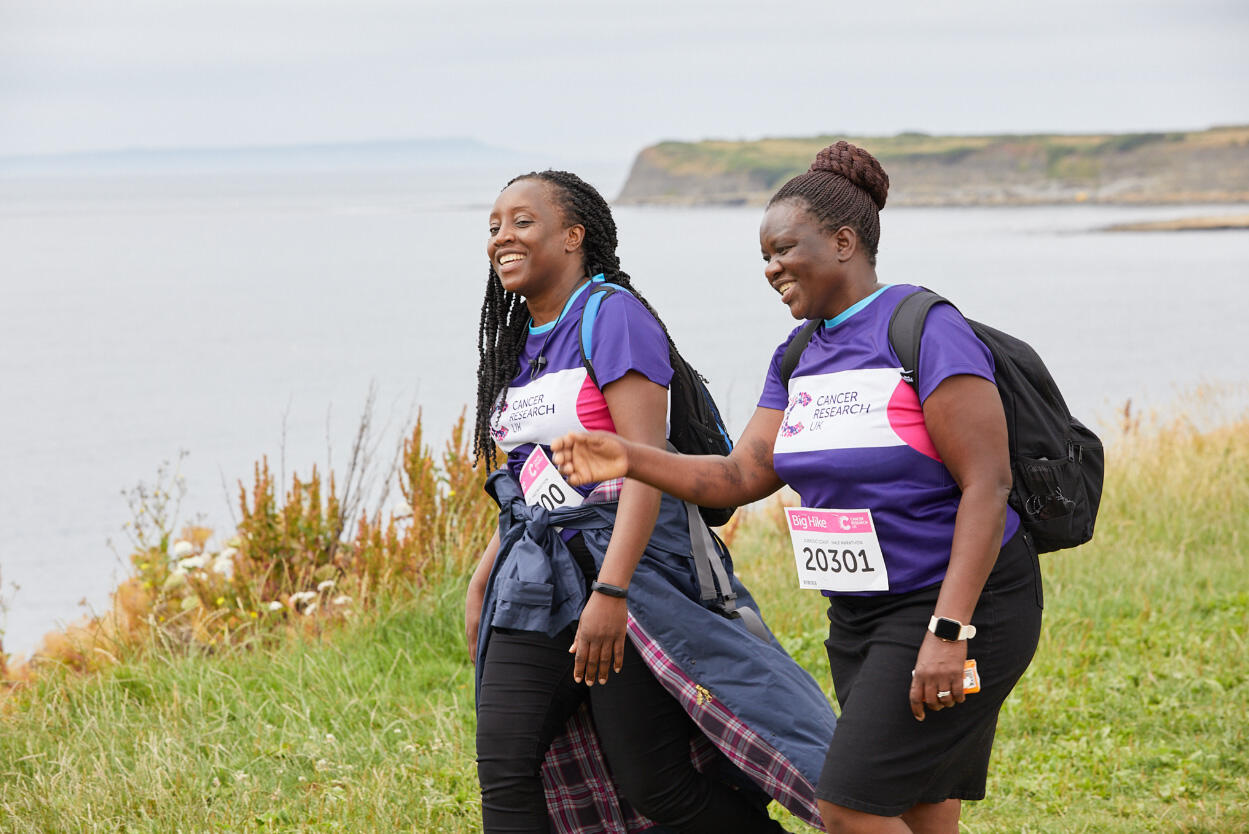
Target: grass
(1130, 719)
(367, 731)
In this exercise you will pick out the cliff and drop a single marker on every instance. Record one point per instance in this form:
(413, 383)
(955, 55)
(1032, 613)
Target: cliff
(1181, 167)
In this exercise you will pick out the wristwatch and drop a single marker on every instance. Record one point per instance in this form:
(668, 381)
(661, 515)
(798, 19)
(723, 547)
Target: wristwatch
(950, 630)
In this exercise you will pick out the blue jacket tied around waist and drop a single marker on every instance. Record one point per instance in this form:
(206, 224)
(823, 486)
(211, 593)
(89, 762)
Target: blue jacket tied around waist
(761, 709)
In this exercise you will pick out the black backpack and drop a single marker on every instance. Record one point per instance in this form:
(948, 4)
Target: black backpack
(695, 426)
(1057, 462)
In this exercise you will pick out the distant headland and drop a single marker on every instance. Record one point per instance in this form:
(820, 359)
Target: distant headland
(1206, 166)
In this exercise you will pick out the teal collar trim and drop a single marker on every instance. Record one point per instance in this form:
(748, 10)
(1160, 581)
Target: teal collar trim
(845, 314)
(542, 328)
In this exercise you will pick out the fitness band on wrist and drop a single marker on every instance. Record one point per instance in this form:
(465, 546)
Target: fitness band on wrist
(609, 590)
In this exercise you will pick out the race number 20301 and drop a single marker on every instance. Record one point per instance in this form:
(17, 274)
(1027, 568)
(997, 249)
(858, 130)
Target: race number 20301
(836, 550)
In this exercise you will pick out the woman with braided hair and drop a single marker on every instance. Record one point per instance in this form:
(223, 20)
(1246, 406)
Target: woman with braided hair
(904, 523)
(606, 681)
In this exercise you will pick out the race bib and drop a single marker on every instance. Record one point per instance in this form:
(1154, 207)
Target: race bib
(542, 483)
(836, 550)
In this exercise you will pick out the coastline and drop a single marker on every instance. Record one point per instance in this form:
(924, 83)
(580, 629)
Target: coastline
(1221, 223)
(1178, 168)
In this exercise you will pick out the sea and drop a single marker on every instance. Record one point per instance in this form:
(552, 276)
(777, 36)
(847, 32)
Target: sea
(195, 323)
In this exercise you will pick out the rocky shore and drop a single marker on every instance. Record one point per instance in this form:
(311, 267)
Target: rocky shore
(1209, 166)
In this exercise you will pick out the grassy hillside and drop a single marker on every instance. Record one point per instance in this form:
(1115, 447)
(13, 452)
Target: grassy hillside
(1210, 165)
(1130, 719)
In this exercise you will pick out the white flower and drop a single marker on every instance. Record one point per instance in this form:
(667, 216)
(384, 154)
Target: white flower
(176, 579)
(327, 585)
(403, 510)
(276, 605)
(312, 606)
(193, 562)
(223, 565)
(182, 549)
(329, 737)
(302, 597)
(341, 599)
(321, 766)
(228, 553)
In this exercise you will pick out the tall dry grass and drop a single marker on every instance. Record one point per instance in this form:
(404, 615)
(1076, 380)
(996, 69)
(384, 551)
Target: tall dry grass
(301, 557)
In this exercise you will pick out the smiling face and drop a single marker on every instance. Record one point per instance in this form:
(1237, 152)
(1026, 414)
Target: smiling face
(532, 248)
(804, 263)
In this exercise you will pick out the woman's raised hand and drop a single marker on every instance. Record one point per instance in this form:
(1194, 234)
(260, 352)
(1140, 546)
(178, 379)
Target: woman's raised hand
(586, 458)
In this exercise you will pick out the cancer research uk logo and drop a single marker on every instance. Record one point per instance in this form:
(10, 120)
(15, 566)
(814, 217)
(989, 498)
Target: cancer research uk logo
(497, 430)
(789, 429)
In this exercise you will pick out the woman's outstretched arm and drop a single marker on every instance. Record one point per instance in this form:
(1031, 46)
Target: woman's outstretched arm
(709, 480)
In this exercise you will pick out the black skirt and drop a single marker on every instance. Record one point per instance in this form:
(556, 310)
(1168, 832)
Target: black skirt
(881, 760)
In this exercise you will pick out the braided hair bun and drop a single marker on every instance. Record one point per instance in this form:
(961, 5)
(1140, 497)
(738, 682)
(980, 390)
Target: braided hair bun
(845, 186)
(856, 165)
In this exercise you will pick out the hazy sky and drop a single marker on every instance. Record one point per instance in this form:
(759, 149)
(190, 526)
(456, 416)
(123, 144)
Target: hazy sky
(599, 80)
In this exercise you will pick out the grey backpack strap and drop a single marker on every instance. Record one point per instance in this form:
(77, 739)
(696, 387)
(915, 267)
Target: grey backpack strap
(713, 579)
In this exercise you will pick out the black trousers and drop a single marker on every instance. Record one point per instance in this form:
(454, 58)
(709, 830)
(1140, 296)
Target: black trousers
(527, 694)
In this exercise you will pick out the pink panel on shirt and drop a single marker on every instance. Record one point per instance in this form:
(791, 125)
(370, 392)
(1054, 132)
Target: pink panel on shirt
(592, 408)
(906, 418)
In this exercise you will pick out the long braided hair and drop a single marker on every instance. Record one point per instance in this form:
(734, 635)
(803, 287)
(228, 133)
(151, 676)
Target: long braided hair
(505, 316)
(845, 186)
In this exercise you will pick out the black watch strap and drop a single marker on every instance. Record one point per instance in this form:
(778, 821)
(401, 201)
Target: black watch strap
(609, 590)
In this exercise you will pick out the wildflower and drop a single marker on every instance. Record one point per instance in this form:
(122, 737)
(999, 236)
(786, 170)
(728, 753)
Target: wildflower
(193, 562)
(182, 549)
(398, 731)
(220, 600)
(312, 606)
(341, 599)
(322, 765)
(302, 597)
(329, 737)
(403, 510)
(240, 776)
(253, 614)
(223, 565)
(276, 605)
(409, 748)
(327, 585)
(176, 579)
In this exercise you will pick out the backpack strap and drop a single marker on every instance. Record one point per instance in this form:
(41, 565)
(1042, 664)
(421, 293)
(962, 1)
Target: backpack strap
(714, 587)
(589, 313)
(906, 327)
(789, 361)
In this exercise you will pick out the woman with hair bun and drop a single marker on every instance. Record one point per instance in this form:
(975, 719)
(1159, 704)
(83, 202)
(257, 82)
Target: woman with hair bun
(612, 695)
(916, 477)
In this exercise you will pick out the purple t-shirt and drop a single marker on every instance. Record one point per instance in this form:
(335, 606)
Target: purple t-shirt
(540, 406)
(853, 434)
